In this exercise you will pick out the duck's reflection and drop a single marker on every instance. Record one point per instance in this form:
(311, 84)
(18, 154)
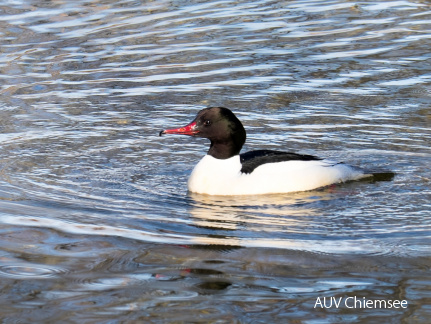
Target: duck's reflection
(232, 220)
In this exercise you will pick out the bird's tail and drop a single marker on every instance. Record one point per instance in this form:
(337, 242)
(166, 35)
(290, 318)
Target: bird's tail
(383, 176)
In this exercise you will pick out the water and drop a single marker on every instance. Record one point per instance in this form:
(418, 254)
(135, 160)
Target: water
(96, 222)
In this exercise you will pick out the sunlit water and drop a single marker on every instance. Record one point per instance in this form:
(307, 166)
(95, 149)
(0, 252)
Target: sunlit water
(96, 222)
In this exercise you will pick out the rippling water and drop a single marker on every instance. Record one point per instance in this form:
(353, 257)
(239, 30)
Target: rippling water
(96, 222)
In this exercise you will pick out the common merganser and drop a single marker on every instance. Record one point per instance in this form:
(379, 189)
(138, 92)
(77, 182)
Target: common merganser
(224, 171)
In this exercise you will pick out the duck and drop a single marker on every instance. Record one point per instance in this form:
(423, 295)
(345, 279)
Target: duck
(226, 171)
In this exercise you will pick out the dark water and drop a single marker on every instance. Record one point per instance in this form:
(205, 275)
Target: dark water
(96, 222)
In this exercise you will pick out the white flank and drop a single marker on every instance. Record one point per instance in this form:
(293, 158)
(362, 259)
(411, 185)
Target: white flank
(223, 177)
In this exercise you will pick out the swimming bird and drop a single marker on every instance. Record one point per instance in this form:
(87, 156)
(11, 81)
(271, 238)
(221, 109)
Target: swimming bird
(224, 171)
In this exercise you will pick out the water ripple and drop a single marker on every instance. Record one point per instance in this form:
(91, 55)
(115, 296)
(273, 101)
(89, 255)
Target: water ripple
(30, 271)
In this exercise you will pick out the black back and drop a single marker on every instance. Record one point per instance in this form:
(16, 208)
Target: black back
(251, 160)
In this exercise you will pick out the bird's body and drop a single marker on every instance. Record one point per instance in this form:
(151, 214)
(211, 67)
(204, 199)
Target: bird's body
(224, 171)
(226, 177)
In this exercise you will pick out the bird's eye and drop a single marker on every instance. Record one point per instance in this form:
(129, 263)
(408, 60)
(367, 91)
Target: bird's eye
(207, 122)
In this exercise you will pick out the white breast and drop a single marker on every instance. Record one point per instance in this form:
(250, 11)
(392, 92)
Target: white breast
(223, 177)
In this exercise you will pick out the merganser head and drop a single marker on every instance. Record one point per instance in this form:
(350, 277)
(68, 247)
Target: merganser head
(220, 126)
